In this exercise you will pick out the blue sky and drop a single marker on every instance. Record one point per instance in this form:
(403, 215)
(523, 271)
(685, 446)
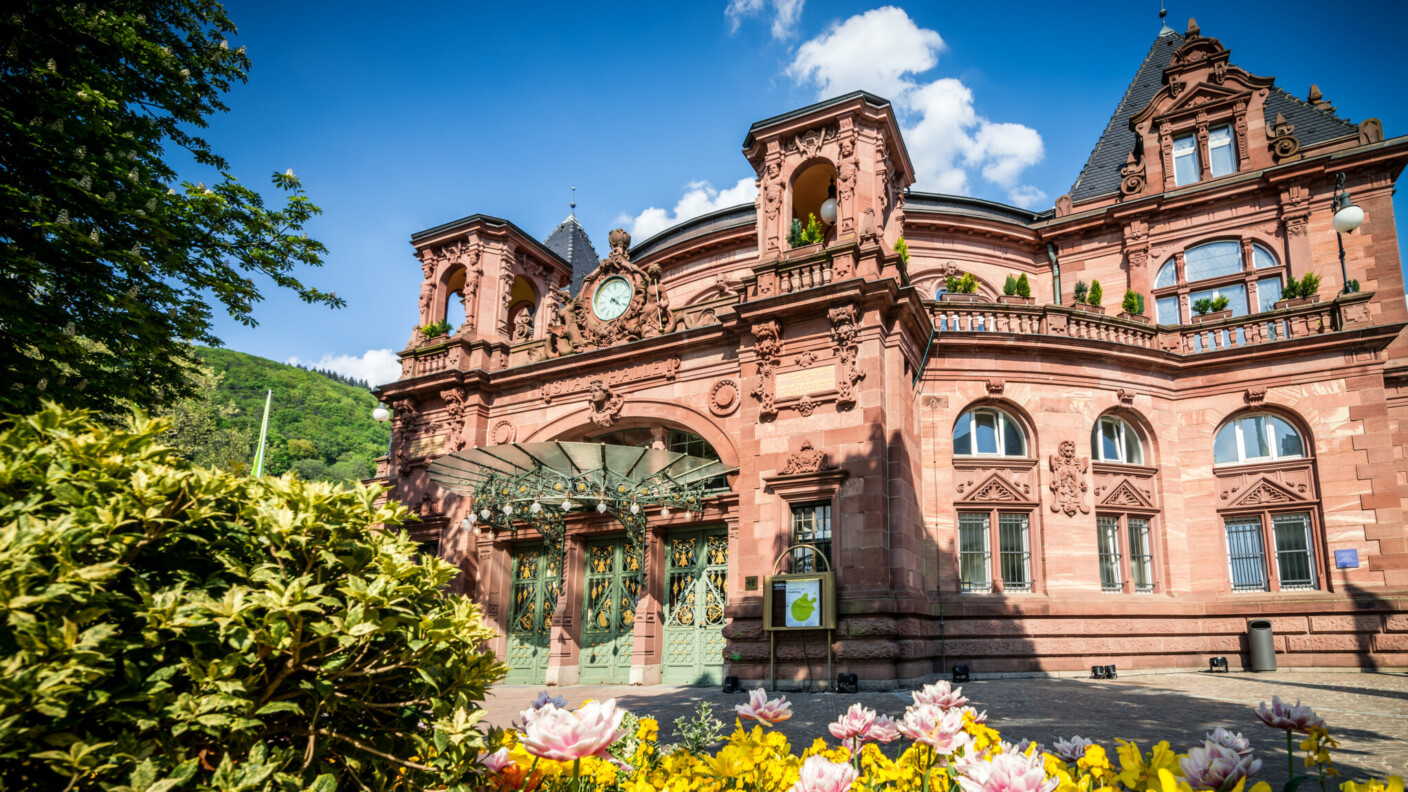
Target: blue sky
(399, 117)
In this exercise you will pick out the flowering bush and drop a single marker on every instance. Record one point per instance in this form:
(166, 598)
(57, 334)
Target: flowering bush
(951, 749)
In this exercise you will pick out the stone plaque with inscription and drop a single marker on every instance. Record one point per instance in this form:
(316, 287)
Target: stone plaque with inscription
(817, 379)
(426, 446)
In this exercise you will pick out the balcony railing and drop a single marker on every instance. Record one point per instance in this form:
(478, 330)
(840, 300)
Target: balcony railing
(1230, 333)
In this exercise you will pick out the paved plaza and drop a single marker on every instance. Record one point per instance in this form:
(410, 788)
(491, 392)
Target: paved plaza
(1367, 713)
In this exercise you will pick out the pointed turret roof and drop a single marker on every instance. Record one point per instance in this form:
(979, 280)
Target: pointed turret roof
(569, 240)
(1101, 174)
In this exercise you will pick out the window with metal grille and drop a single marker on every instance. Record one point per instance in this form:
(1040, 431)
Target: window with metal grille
(1016, 556)
(811, 524)
(1107, 535)
(973, 556)
(1141, 558)
(1246, 553)
(1295, 566)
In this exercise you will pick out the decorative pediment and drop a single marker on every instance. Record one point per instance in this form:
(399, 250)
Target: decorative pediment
(1199, 96)
(996, 488)
(1266, 493)
(1128, 496)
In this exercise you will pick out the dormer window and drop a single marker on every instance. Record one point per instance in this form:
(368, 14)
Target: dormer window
(1222, 153)
(1185, 160)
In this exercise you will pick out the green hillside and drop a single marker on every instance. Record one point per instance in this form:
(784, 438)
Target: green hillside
(317, 426)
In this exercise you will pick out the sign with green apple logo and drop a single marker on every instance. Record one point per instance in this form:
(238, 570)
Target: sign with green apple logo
(803, 603)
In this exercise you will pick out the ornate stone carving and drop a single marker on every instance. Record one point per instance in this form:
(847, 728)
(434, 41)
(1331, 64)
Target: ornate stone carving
(577, 327)
(1068, 484)
(473, 273)
(806, 358)
(1285, 146)
(454, 416)
(723, 397)
(806, 406)
(429, 260)
(868, 228)
(1127, 495)
(605, 404)
(1126, 397)
(809, 143)
(1295, 209)
(1265, 493)
(503, 432)
(771, 192)
(427, 297)
(1371, 130)
(1256, 396)
(768, 347)
(1136, 245)
(996, 387)
(845, 334)
(1132, 176)
(806, 460)
(1064, 205)
(664, 367)
(1175, 87)
(846, 183)
(1219, 72)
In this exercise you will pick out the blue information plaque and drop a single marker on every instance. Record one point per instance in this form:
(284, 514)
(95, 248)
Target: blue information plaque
(1346, 559)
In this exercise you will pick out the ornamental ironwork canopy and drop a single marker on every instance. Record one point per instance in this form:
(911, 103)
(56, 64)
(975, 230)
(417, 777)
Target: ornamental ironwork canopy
(537, 484)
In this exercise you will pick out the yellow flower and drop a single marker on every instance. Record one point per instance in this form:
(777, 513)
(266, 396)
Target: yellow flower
(1095, 762)
(1142, 775)
(1391, 784)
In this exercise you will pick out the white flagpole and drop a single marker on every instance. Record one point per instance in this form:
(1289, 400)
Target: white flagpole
(263, 433)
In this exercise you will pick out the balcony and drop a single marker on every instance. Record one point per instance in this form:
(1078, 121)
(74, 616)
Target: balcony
(1345, 311)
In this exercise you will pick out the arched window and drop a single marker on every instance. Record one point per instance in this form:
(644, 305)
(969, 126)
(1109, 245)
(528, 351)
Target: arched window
(1114, 440)
(940, 288)
(1257, 437)
(987, 431)
(1247, 274)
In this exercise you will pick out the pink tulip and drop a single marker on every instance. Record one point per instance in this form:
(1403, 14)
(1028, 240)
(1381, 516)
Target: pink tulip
(1282, 716)
(1227, 739)
(822, 775)
(564, 735)
(762, 708)
(883, 730)
(855, 724)
(1072, 750)
(497, 761)
(941, 695)
(1214, 766)
(1006, 772)
(942, 731)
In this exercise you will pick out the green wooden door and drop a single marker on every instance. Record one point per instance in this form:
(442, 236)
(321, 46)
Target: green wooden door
(535, 590)
(696, 593)
(609, 616)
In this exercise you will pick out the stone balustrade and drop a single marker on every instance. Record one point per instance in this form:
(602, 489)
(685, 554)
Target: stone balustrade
(804, 275)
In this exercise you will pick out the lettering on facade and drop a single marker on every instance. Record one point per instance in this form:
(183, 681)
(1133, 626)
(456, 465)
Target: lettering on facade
(667, 368)
(818, 379)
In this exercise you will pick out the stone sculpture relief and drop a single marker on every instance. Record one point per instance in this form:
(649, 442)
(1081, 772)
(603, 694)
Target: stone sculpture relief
(806, 460)
(576, 328)
(1285, 146)
(844, 334)
(1068, 483)
(723, 397)
(454, 417)
(768, 346)
(605, 404)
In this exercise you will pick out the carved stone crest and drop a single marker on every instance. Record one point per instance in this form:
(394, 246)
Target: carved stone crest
(806, 460)
(605, 404)
(1256, 396)
(806, 406)
(1068, 482)
(995, 388)
(503, 432)
(809, 143)
(1126, 397)
(844, 334)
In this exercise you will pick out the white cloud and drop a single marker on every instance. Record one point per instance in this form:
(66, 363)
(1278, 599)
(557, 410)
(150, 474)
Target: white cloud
(883, 51)
(376, 366)
(785, 14)
(699, 198)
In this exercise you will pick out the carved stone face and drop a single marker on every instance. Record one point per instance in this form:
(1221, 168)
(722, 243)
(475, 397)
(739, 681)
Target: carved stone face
(1067, 449)
(598, 391)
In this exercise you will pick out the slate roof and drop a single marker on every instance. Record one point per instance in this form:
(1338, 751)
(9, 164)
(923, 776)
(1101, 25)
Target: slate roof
(1101, 174)
(569, 240)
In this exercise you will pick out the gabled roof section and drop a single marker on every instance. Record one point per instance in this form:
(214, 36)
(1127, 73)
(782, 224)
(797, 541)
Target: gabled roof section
(1101, 173)
(569, 240)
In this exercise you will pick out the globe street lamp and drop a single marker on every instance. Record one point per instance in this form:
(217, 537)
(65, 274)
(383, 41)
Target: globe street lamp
(381, 414)
(828, 207)
(1348, 217)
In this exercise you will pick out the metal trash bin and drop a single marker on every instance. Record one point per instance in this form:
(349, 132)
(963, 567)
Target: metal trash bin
(1263, 645)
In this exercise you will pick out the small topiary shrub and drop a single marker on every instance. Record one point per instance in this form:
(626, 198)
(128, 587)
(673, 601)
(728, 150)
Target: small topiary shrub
(1219, 303)
(169, 626)
(1133, 302)
(1024, 287)
(962, 284)
(435, 329)
(812, 234)
(1081, 291)
(1202, 305)
(794, 234)
(1009, 287)
(1097, 294)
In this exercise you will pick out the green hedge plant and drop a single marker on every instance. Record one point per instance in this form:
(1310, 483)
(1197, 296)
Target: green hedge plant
(1097, 294)
(1133, 302)
(169, 626)
(1024, 287)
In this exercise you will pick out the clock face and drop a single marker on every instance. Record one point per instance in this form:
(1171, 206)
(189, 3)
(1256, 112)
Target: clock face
(612, 298)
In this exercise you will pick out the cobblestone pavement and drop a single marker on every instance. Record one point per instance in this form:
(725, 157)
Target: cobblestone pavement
(1367, 713)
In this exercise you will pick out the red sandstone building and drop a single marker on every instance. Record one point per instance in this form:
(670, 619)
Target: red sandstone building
(1015, 484)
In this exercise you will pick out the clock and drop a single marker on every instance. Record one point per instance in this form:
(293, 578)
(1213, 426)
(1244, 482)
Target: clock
(612, 298)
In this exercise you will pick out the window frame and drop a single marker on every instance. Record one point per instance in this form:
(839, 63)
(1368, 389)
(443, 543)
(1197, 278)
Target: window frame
(1123, 428)
(994, 561)
(1231, 146)
(1235, 422)
(1270, 554)
(1248, 277)
(1124, 551)
(826, 546)
(1192, 152)
(1003, 418)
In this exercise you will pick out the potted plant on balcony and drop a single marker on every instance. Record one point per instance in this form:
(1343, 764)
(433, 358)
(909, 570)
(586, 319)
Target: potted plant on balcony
(805, 240)
(1016, 291)
(1133, 305)
(1088, 299)
(961, 289)
(1300, 292)
(435, 330)
(1210, 309)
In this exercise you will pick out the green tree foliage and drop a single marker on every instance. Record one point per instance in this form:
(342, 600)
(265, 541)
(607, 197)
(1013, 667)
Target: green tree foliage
(207, 429)
(1024, 286)
(1307, 286)
(1081, 291)
(1133, 302)
(1097, 294)
(902, 247)
(794, 234)
(961, 284)
(812, 234)
(318, 427)
(171, 625)
(434, 329)
(108, 267)
(1009, 286)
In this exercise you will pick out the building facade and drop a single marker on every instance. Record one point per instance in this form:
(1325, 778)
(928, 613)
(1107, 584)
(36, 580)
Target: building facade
(1018, 484)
